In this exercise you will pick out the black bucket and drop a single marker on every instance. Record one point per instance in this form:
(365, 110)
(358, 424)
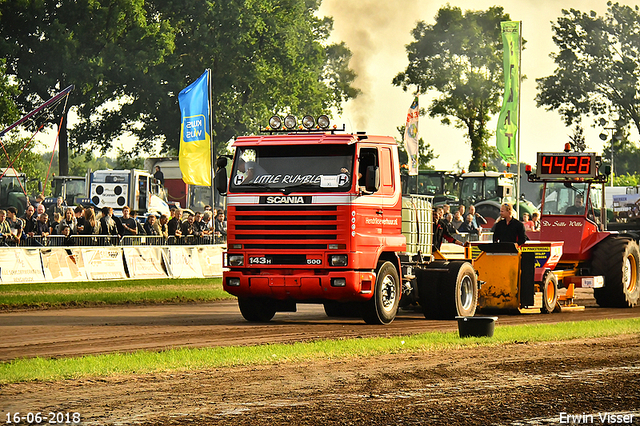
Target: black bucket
(476, 326)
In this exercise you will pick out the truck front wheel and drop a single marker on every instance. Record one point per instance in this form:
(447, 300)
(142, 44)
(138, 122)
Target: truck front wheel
(383, 306)
(254, 309)
(618, 260)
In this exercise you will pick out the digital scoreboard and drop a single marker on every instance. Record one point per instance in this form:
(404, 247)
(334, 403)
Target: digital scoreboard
(567, 165)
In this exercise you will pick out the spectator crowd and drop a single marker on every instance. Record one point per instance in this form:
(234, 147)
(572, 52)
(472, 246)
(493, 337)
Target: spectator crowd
(78, 226)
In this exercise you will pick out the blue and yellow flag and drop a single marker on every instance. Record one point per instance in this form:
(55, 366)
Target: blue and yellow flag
(508, 121)
(195, 138)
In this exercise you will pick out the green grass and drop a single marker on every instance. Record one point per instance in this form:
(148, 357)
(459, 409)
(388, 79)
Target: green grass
(52, 295)
(145, 362)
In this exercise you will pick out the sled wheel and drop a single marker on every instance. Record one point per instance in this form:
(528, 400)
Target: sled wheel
(549, 292)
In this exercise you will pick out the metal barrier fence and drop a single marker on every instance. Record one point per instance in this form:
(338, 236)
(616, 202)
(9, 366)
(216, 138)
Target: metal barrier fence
(108, 240)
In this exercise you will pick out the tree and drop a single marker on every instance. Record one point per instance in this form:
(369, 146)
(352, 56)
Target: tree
(460, 56)
(266, 58)
(598, 65)
(577, 139)
(8, 92)
(104, 48)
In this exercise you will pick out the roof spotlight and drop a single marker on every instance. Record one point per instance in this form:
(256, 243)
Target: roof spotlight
(308, 122)
(290, 122)
(323, 122)
(275, 122)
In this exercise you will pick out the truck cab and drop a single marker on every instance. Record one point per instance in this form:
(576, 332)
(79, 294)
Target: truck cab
(314, 217)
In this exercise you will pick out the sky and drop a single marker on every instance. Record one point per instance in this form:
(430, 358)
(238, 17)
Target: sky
(377, 32)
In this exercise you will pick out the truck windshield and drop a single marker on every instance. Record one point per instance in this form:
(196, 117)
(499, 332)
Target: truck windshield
(293, 167)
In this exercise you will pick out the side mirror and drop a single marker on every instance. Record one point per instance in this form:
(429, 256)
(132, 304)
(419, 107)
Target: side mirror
(221, 175)
(372, 179)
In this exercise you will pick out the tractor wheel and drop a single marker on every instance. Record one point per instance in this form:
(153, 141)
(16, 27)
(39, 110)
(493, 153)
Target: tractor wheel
(618, 260)
(549, 292)
(383, 306)
(490, 210)
(458, 291)
(256, 310)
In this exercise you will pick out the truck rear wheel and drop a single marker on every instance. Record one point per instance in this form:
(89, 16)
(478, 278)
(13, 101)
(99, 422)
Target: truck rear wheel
(549, 292)
(383, 306)
(618, 260)
(458, 291)
(254, 309)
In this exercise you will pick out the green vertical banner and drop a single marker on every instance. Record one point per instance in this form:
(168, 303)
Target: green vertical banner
(508, 121)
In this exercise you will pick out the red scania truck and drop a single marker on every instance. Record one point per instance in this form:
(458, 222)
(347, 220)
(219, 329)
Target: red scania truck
(317, 216)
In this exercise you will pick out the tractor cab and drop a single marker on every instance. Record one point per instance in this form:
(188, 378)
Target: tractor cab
(572, 203)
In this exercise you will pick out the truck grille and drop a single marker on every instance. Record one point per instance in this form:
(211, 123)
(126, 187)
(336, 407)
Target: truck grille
(287, 227)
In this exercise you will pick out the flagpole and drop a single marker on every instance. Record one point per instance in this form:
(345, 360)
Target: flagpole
(212, 143)
(519, 128)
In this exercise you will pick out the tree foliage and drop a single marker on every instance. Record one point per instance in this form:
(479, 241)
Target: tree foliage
(460, 56)
(598, 65)
(129, 59)
(8, 92)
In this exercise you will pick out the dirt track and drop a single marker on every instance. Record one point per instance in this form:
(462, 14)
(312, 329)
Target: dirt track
(528, 384)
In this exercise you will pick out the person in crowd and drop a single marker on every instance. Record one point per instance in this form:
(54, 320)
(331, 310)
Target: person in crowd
(5, 230)
(448, 217)
(220, 227)
(197, 222)
(446, 208)
(57, 208)
(159, 175)
(457, 219)
(139, 225)
(207, 223)
(39, 210)
(149, 225)
(42, 228)
(526, 222)
(509, 229)
(54, 224)
(441, 230)
(175, 223)
(461, 210)
(188, 227)
(91, 225)
(129, 224)
(65, 232)
(68, 219)
(16, 225)
(79, 213)
(468, 226)
(478, 219)
(107, 224)
(29, 220)
(535, 218)
(163, 227)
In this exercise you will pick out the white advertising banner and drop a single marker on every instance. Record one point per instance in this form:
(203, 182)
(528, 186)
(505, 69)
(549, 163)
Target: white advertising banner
(61, 264)
(19, 265)
(144, 262)
(104, 263)
(184, 262)
(211, 261)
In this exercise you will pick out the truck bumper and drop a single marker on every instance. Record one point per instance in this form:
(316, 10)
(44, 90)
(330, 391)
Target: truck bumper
(302, 285)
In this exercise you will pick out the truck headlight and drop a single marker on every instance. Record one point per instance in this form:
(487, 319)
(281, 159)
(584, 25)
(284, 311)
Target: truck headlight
(233, 282)
(236, 259)
(338, 260)
(338, 282)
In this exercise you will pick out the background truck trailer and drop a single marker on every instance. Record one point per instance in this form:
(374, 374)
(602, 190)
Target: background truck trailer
(136, 188)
